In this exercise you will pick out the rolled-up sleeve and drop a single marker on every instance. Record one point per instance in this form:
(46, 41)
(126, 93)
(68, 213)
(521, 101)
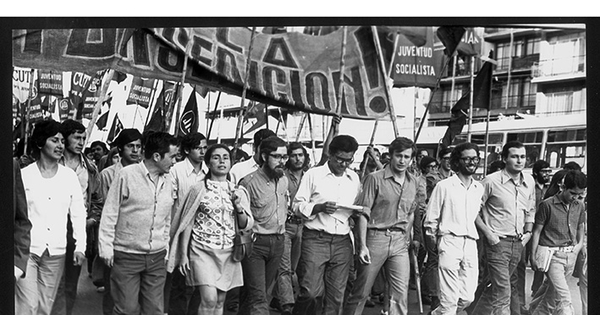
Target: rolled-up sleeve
(434, 208)
(367, 195)
(302, 201)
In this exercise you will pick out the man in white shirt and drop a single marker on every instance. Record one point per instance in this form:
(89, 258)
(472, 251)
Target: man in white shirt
(179, 297)
(450, 223)
(326, 245)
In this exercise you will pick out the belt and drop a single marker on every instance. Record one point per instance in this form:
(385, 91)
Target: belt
(390, 229)
(565, 249)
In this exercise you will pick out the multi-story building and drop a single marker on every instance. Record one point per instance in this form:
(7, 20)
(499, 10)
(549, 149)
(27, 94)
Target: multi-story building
(538, 92)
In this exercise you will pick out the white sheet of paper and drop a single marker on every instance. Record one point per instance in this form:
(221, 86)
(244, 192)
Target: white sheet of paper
(344, 212)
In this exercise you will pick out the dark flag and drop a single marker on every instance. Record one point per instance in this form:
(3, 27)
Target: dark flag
(157, 121)
(103, 119)
(450, 37)
(188, 122)
(482, 87)
(115, 129)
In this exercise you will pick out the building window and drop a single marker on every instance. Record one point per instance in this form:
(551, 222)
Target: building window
(522, 53)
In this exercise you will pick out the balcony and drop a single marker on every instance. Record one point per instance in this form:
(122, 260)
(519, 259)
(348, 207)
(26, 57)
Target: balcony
(517, 63)
(568, 68)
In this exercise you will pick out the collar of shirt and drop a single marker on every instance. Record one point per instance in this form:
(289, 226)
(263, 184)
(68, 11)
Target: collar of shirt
(505, 177)
(291, 175)
(82, 163)
(329, 171)
(387, 173)
(457, 182)
(189, 168)
(147, 174)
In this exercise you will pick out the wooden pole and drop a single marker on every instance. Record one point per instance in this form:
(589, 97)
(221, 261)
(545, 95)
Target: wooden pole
(471, 100)
(214, 115)
(385, 79)
(25, 119)
(334, 127)
(299, 132)
(238, 129)
(312, 136)
(437, 86)
(362, 175)
(283, 126)
(180, 96)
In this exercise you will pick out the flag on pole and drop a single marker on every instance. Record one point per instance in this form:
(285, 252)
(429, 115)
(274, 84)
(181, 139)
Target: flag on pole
(257, 111)
(188, 122)
(450, 36)
(157, 121)
(115, 129)
(482, 87)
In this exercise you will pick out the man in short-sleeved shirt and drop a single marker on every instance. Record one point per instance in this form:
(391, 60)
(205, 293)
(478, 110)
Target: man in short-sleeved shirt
(506, 221)
(559, 227)
(269, 198)
(393, 196)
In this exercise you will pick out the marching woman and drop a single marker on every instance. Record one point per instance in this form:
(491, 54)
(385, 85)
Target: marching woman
(52, 192)
(202, 245)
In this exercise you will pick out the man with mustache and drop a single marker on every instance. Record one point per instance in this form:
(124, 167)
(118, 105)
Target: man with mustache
(269, 199)
(450, 223)
(284, 291)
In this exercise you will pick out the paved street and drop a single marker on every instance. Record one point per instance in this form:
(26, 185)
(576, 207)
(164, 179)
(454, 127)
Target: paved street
(89, 302)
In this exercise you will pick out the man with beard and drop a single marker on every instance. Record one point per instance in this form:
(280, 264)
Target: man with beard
(269, 200)
(450, 223)
(506, 221)
(326, 248)
(393, 196)
(284, 291)
(179, 298)
(129, 147)
(87, 173)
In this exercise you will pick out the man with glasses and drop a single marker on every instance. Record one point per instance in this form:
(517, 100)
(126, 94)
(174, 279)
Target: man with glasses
(392, 198)
(324, 200)
(284, 291)
(450, 223)
(559, 229)
(506, 222)
(179, 298)
(269, 199)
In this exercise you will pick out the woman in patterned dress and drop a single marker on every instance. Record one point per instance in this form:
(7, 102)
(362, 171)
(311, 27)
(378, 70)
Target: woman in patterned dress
(202, 245)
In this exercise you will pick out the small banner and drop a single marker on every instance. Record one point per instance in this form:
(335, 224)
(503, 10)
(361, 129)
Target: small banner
(50, 82)
(22, 78)
(65, 108)
(188, 122)
(85, 91)
(416, 65)
(140, 92)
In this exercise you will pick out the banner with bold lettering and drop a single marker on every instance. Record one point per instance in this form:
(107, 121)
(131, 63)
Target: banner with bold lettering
(21, 81)
(65, 109)
(293, 70)
(50, 82)
(416, 65)
(140, 91)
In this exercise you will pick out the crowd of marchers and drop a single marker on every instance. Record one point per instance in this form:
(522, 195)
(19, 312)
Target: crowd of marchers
(155, 221)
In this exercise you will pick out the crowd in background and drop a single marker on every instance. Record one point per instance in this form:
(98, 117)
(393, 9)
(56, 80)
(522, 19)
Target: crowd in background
(159, 218)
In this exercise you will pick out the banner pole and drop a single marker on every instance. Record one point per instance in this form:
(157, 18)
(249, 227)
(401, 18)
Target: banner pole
(180, 96)
(312, 136)
(107, 79)
(238, 128)
(334, 127)
(385, 79)
(214, 115)
(362, 175)
(300, 126)
(27, 112)
(471, 99)
(437, 86)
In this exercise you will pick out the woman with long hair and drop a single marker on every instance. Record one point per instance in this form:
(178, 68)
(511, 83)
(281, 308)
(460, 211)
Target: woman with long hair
(202, 245)
(53, 193)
